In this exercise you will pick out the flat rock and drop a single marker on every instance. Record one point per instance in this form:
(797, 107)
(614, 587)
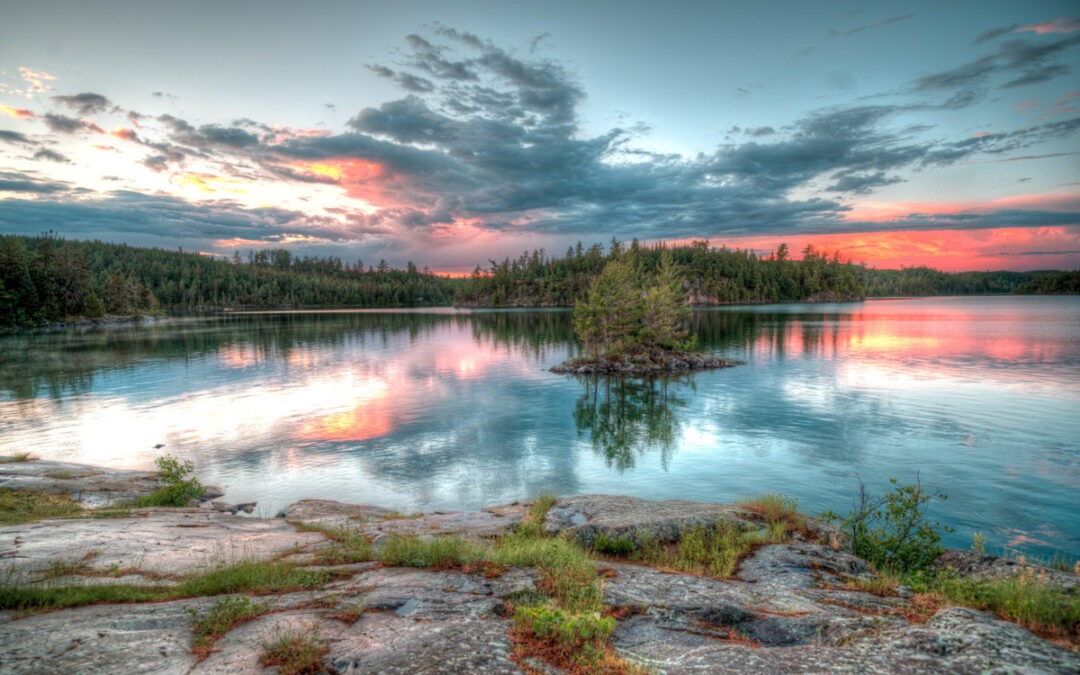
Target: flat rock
(163, 541)
(588, 516)
(380, 523)
(93, 486)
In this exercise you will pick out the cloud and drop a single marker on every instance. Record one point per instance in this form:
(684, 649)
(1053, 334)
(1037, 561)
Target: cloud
(833, 32)
(14, 137)
(992, 33)
(69, 125)
(406, 81)
(1065, 24)
(51, 155)
(124, 134)
(760, 131)
(1026, 60)
(35, 81)
(18, 113)
(11, 181)
(85, 103)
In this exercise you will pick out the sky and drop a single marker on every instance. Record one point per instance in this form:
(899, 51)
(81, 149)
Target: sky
(941, 133)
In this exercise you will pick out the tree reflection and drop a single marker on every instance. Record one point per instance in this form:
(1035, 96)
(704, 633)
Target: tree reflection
(626, 417)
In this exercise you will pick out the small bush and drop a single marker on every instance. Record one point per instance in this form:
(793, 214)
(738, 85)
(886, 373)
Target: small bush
(579, 638)
(225, 615)
(178, 487)
(294, 652)
(893, 531)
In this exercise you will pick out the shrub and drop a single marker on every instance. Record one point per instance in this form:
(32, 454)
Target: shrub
(580, 637)
(616, 546)
(893, 531)
(177, 487)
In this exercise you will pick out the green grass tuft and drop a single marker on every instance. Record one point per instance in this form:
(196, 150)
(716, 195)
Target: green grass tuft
(294, 652)
(435, 553)
(16, 458)
(225, 615)
(20, 506)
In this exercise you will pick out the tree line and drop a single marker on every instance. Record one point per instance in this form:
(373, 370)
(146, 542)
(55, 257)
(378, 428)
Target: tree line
(710, 275)
(47, 279)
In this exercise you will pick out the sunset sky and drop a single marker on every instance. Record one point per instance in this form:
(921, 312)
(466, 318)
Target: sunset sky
(939, 133)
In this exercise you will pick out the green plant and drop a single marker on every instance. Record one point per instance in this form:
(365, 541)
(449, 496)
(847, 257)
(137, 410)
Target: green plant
(617, 546)
(566, 573)
(978, 543)
(295, 652)
(533, 523)
(20, 506)
(580, 636)
(436, 552)
(892, 530)
(225, 615)
(16, 458)
(177, 486)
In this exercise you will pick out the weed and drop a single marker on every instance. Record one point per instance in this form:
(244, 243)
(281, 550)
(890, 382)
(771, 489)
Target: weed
(60, 475)
(573, 642)
(20, 506)
(978, 543)
(348, 545)
(225, 615)
(295, 652)
(16, 458)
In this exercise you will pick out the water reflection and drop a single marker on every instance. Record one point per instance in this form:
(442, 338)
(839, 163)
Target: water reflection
(446, 409)
(625, 417)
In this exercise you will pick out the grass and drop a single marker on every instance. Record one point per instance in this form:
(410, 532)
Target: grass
(566, 573)
(533, 523)
(16, 458)
(20, 506)
(294, 652)
(349, 614)
(60, 475)
(252, 577)
(780, 512)
(347, 545)
(446, 552)
(574, 642)
(225, 615)
(713, 550)
(1027, 599)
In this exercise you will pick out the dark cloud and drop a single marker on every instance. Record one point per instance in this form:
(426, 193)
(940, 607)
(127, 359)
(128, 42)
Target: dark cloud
(1026, 60)
(11, 181)
(406, 81)
(120, 214)
(51, 155)
(85, 103)
(14, 137)
(760, 131)
(860, 182)
(995, 33)
(70, 125)
(833, 32)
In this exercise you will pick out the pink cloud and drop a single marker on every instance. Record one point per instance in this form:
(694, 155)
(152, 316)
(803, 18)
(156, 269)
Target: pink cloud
(1065, 24)
(22, 113)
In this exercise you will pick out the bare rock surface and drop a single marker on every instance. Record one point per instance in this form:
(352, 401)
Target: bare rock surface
(380, 523)
(159, 541)
(790, 608)
(93, 486)
(975, 565)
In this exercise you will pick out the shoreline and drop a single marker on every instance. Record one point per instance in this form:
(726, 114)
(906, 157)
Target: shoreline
(380, 591)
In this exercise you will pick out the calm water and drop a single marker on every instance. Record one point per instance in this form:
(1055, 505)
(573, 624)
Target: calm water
(444, 409)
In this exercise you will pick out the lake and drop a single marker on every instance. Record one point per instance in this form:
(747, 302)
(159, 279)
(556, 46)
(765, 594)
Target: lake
(448, 409)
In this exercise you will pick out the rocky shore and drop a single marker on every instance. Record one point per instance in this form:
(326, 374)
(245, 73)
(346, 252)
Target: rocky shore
(638, 365)
(788, 608)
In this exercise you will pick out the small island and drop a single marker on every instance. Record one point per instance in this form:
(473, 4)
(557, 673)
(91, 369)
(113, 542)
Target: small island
(632, 323)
